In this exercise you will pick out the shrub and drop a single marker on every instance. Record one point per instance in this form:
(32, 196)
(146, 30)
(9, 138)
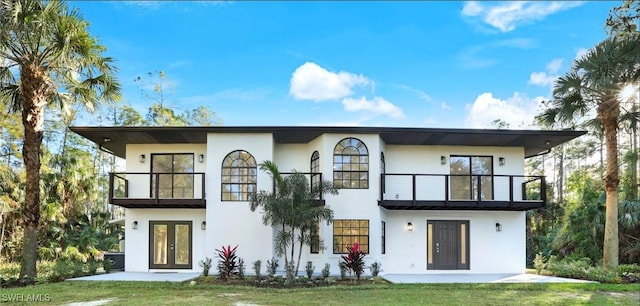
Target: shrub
(538, 263)
(326, 270)
(227, 262)
(290, 269)
(93, 265)
(343, 270)
(354, 260)
(107, 265)
(309, 269)
(272, 266)
(634, 268)
(205, 264)
(257, 265)
(375, 268)
(241, 268)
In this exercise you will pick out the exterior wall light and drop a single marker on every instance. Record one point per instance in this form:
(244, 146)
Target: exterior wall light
(443, 160)
(203, 225)
(498, 227)
(141, 158)
(201, 158)
(410, 227)
(501, 161)
(134, 225)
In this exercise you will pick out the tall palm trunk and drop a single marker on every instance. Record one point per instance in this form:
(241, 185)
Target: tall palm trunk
(35, 86)
(608, 113)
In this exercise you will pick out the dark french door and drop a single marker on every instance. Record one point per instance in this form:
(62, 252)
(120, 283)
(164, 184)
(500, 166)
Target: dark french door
(447, 245)
(170, 245)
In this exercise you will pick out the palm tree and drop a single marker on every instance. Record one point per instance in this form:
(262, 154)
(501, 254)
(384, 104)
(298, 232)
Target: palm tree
(47, 57)
(292, 207)
(593, 84)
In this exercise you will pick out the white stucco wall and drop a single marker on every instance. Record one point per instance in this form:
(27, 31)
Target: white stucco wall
(490, 251)
(232, 223)
(137, 240)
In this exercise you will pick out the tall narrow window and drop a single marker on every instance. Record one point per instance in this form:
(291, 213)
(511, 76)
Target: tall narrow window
(471, 177)
(173, 173)
(351, 164)
(384, 238)
(315, 239)
(383, 170)
(315, 170)
(239, 176)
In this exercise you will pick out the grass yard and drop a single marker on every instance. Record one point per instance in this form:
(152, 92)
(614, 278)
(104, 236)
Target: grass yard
(164, 293)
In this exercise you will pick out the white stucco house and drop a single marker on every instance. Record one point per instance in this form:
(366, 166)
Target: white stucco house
(417, 200)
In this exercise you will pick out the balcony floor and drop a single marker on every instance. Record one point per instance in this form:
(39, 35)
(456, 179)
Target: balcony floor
(160, 203)
(460, 205)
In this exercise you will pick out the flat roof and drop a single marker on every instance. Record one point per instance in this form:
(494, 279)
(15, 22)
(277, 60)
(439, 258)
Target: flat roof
(534, 142)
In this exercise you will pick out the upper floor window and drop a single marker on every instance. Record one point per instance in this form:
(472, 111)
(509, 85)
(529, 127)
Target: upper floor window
(383, 170)
(351, 164)
(173, 174)
(315, 169)
(471, 177)
(239, 176)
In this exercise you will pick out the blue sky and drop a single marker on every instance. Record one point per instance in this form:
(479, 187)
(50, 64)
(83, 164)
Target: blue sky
(414, 64)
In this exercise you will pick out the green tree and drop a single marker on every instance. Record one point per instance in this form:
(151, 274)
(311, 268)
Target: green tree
(58, 63)
(293, 207)
(624, 20)
(594, 83)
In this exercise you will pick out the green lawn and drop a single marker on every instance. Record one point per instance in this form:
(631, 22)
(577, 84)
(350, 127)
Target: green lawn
(158, 293)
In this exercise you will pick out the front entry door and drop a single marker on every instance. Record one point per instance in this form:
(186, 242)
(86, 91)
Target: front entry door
(447, 245)
(170, 245)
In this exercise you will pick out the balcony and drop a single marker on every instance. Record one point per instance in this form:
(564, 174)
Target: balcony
(469, 192)
(157, 190)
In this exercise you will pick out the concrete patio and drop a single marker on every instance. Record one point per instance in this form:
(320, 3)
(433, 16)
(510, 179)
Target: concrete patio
(476, 278)
(394, 278)
(140, 277)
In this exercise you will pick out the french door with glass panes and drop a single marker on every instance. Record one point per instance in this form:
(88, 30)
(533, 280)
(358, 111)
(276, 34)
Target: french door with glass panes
(471, 178)
(170, 245)
(173, 174)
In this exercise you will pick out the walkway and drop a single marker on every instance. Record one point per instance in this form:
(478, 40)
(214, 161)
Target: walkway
(477, 278)
(140, 277)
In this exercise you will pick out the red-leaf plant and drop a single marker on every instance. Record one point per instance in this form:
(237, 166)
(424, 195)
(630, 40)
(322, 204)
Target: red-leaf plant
(354, 260)
(227, 263)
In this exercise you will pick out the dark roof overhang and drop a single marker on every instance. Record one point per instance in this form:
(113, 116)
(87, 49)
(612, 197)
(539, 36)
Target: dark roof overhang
(534, 142)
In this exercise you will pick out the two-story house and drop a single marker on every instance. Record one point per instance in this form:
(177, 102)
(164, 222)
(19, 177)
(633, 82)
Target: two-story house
(417, 200)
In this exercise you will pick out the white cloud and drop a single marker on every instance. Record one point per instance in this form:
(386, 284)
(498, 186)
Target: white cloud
(518, 111)
(376, 106)
(474, 57)
(445, 106)
(421, 94)
(542, 79)
(312, 82)
(472, 8)
(546, 79)
(506, 16)
(554, 65)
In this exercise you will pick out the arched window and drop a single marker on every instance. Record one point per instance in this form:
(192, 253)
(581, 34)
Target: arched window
(351, 164)
(239, 175)
(315, 169)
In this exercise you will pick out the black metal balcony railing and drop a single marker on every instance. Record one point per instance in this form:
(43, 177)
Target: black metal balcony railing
(448, 191)
(157, 190)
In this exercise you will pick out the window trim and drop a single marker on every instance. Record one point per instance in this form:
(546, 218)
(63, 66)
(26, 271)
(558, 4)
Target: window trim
(335, 171)
(368, 235)
(244, 196)
(383, 240)
(471, 175)
(173, 173)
